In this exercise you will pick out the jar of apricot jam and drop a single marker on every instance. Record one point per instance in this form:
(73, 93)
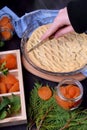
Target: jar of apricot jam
(6, 27)
(69, 94)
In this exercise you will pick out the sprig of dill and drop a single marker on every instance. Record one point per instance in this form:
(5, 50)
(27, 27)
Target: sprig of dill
(2, 43)
(3, 69)
(47, 115)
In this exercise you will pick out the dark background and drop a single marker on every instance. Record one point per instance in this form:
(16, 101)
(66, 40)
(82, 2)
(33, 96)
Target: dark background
(20, 7)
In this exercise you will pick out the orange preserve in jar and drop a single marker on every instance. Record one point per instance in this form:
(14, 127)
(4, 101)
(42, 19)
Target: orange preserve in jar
(6, 27)
(69, 94)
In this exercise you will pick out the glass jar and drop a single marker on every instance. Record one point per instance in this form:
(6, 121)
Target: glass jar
(69, 94)
(5, 34)
(6, 27)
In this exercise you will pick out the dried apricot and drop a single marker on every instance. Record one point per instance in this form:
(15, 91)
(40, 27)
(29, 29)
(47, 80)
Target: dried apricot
(14, 88)
(4, 20)
(3, 88)
(10, 60)
(45, 93)
(62, 103)
(9, 80)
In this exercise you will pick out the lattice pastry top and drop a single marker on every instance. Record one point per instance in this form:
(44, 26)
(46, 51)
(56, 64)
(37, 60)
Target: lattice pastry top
(65, 54)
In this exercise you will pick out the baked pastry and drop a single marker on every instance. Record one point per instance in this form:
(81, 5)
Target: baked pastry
(65, 54)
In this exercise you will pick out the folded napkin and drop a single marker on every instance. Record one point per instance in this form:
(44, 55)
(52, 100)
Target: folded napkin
(6, 10)
(32, 20)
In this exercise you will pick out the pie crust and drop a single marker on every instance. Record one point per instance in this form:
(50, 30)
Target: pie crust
(65, 54)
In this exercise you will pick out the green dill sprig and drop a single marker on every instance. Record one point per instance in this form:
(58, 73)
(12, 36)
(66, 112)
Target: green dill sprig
(1, 43)
(3, 69)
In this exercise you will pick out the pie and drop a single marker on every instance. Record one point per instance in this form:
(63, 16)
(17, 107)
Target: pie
(65, 54)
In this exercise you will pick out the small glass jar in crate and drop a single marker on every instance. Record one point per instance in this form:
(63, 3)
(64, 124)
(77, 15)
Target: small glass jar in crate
(69, 94)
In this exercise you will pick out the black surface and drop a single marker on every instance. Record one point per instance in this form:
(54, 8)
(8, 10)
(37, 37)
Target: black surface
(20, 8)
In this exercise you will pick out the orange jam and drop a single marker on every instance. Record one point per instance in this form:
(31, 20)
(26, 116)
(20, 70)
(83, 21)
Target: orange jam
(69, 94)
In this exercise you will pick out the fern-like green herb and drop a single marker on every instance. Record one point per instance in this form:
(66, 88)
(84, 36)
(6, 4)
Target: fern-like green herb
(3, 70)
(47, 115)
(2, 43)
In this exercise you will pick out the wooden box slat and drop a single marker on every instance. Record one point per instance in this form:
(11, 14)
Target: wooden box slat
(21, 117)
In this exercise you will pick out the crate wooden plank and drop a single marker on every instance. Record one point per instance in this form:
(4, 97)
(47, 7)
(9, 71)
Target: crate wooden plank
(21, 117)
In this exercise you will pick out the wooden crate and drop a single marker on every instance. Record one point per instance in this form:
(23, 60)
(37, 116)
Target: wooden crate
(19, 118)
